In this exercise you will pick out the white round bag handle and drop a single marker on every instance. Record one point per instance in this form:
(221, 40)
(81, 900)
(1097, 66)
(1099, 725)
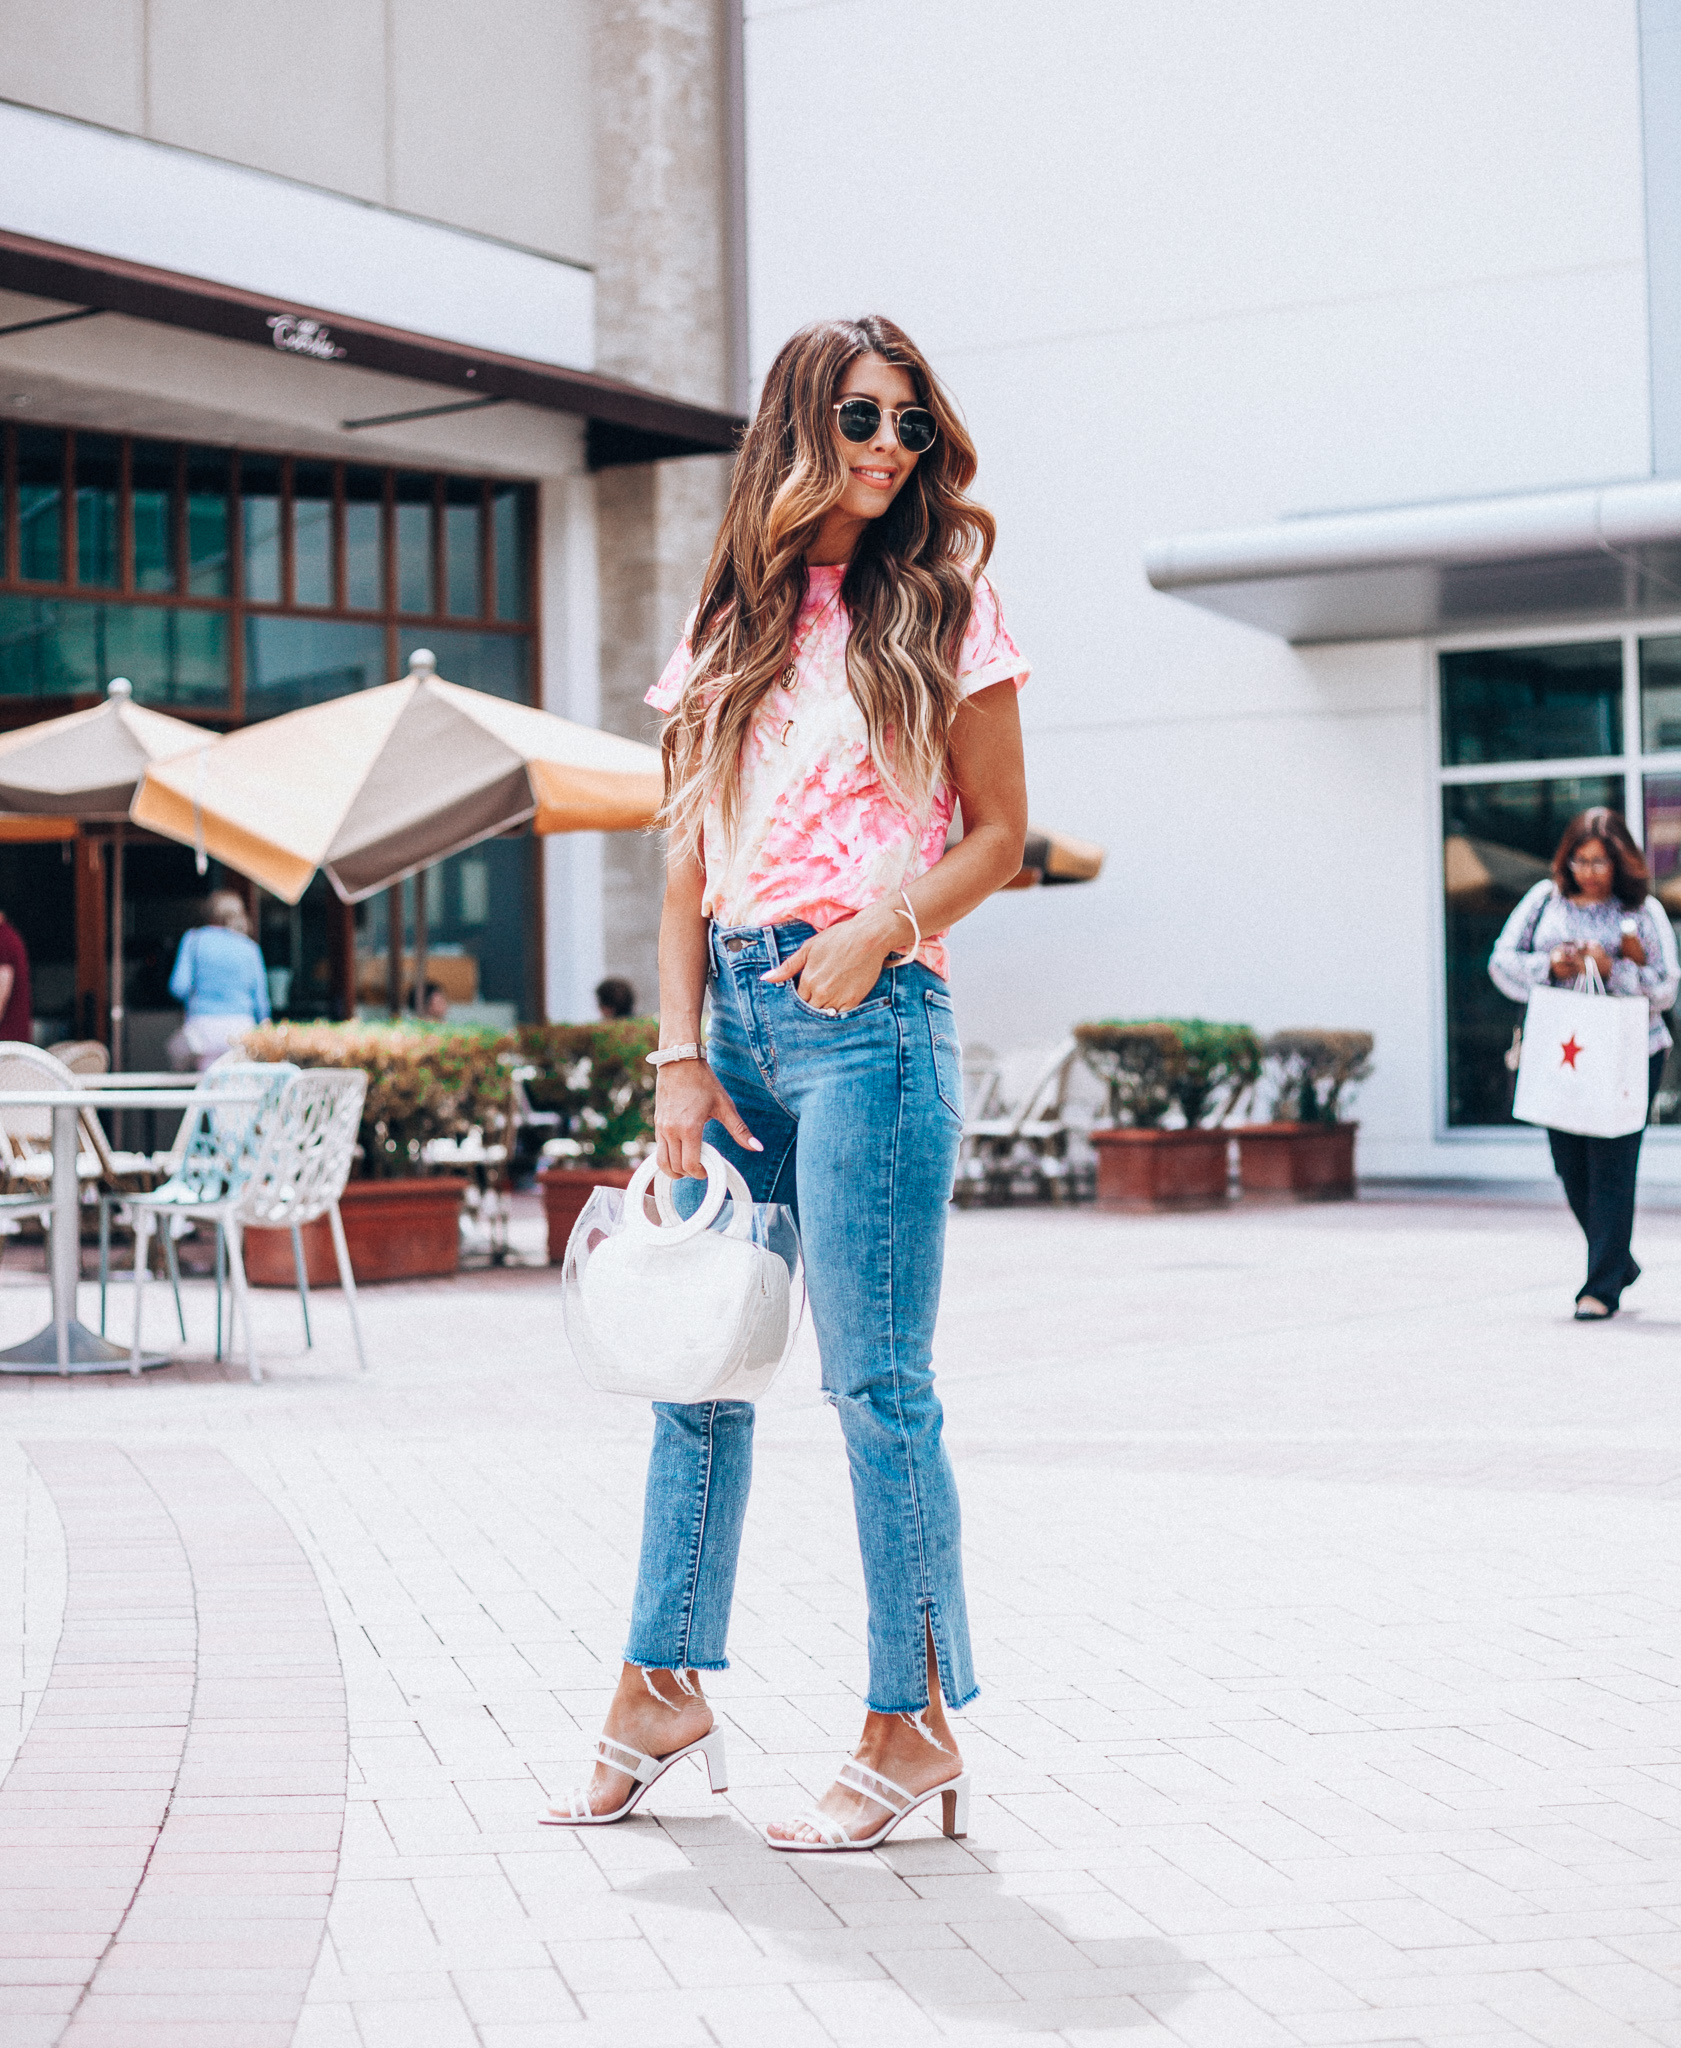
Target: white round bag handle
(721, 1179)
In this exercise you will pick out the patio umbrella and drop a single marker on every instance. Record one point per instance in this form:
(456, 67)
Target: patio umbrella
(377, 785)
(1481, 874)
(84, 768)
(1051, 858)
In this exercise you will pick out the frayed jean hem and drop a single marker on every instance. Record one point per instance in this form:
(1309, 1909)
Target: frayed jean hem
(682, 1664)
(921, 1706)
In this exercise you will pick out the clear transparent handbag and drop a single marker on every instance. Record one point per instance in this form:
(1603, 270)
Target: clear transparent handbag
(696, 1308)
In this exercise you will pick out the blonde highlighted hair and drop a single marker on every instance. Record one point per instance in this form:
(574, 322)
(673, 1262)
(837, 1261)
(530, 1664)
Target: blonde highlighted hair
(908, 589)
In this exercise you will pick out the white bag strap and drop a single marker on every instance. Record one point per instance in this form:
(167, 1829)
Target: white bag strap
(1590, 981)
(721, 1179)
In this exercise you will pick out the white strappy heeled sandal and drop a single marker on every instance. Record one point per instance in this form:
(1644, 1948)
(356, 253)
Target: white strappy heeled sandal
(643, 1771)
(856, 1777)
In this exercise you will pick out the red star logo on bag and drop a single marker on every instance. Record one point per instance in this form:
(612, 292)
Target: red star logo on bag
(1570, 1049)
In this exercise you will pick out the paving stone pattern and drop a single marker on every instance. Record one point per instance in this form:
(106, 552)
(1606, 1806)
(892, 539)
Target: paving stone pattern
(1324, 1581)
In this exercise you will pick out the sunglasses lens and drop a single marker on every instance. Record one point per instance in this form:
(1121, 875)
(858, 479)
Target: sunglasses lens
(916, 430)
(859, 418)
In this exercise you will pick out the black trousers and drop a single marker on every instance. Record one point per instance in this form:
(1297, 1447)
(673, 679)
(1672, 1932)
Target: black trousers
(1598, 1176)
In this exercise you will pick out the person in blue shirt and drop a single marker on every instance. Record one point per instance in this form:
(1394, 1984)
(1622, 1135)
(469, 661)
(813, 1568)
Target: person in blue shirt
(219, 975)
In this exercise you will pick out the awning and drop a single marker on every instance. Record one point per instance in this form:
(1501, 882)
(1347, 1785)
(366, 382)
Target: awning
(626, 422)
(1609, 551)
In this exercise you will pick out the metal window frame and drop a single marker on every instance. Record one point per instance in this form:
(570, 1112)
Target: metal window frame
(236, 606)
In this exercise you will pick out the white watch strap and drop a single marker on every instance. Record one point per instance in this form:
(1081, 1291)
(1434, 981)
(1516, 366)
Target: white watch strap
(665, 1056)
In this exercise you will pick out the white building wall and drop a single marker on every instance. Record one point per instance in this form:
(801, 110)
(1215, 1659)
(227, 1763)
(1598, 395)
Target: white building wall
(1190, 265)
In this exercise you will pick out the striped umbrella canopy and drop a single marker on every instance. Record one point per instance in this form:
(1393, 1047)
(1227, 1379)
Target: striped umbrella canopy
(85, 768)
(377, 785)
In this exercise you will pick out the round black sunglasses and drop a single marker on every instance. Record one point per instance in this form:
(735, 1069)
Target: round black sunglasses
(860, 420)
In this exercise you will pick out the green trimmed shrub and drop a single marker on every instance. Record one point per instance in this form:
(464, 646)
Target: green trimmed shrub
(1159, 1063)
(598, 1079)
(1310, 1070)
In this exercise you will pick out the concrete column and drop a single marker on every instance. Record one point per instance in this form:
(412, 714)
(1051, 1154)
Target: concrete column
(572, 861)
(664, 309)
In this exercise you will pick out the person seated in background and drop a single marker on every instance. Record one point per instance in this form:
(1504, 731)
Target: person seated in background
(615, 998)
(434, 1003)
(16, 1017)
(219, 975)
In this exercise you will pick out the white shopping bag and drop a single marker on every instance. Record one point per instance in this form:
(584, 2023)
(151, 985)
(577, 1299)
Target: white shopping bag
(1583, 1066)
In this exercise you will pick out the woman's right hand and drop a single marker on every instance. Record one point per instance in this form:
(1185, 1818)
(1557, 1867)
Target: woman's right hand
(688, 1096)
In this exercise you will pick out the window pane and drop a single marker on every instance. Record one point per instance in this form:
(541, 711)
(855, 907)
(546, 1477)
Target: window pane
(463, 507)
(152, 475)
(173, 658)
(312, 533)
(292, 662)
(1663, 854)
(497, 662)
(477, 905)
(511, 519)
(259, 487)
(295, 941)
(1532, 703)
(364, 540)
(414, 544)
(1660, 695)
(46, 647)
(1498, 841)
(208, 568)
(98, 480)
(41, 504)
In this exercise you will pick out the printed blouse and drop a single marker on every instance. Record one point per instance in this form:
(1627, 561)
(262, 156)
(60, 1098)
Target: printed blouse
(818, 836)
(1522, 956)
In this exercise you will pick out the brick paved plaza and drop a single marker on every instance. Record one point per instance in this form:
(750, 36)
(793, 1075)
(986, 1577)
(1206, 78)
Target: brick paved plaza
(1325, 1585)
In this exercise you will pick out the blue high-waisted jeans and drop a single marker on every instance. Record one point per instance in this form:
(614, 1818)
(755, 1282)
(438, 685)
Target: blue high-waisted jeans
(860, 1117)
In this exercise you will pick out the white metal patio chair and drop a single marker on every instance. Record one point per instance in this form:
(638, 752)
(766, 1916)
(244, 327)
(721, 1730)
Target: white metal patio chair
(232, 1127)
(1029, 1138)
(287, 1168)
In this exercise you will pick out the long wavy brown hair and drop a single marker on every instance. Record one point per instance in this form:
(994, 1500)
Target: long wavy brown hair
(908, 589)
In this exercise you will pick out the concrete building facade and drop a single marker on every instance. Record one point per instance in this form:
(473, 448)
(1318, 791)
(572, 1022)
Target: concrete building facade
(1359, 332)
(335, 329)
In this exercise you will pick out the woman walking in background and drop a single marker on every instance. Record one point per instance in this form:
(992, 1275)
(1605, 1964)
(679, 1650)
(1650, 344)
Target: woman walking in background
(219, 975)
(846, 679)
(1596, 906)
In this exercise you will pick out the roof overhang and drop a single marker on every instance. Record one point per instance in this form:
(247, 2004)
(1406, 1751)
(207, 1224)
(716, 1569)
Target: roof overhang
(1609, 551)
(626, 423)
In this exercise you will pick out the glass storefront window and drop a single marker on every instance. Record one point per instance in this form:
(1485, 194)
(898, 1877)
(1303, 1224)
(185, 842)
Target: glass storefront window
(52, 647)
(497, 662)
(209, 560)
(1532, 703)
(463, 547)
(259, 501)
(478, 950)
(511, 525)
(364, 540)
(293, 662)
(152, 516)
(1660, 695)
(40, 515)
(1498, 840)
(414, 543)
(312, 534)
(98, 486)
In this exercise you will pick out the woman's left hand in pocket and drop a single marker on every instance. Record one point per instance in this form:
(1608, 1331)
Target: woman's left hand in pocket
(837, 968)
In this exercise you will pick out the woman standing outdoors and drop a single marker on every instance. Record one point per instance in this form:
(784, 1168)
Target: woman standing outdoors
(219, 975)
(845, 681)
(1596, 906)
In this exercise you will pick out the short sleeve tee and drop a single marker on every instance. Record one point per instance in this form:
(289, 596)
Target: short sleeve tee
(17, 1020)
(818, 836)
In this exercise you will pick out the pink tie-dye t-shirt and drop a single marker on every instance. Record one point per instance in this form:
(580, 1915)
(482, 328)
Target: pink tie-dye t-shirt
(819, 838)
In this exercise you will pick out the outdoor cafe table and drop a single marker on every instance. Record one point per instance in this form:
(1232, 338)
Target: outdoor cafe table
(65, 1344)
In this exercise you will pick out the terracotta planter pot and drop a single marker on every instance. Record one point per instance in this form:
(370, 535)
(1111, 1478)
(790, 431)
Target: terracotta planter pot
(565, 1191)
(395, 1229)
(1161, 1169)
(1304, 1162)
